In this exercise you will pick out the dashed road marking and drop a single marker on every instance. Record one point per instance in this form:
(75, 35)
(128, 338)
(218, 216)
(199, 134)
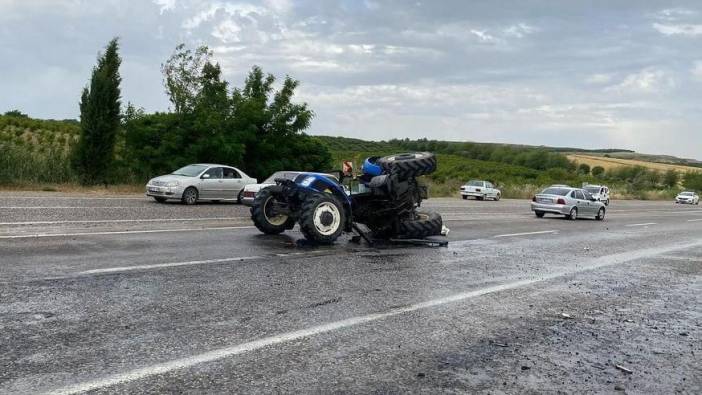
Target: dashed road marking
(109, 221)
(162, 265)
(119, 269)
(221, 353)
(694, 220)
(644, 224)
(122, 232)
(527, 233)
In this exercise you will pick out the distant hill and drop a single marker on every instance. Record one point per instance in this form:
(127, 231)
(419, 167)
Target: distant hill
(608, 162)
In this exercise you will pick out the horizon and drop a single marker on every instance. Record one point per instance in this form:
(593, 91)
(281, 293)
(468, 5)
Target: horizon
(531, 73)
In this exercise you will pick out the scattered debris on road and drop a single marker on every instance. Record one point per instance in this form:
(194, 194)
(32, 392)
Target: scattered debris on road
(566, 316)
(623, 369)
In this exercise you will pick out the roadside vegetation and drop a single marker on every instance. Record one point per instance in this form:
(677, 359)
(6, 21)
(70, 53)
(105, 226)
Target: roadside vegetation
(261, 129)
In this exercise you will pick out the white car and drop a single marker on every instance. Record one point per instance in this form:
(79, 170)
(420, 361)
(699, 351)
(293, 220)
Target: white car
(250, 191)
(480, 190)
(202, 181)
(599, 192)
(687, 198)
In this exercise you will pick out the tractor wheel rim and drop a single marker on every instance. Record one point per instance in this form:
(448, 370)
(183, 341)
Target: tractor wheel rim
(329, 209)
(275, 220)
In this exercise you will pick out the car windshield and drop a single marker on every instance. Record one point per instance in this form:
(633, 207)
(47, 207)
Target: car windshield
(555, 191)
(190, 170)
(593, 189)
(288, 175)
(475, 183)
(688, 193)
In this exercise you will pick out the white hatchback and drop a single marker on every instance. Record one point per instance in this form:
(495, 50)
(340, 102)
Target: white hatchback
(480, 190)
(599, 192)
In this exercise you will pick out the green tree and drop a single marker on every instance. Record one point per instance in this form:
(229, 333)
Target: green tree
(584, 168)
(183, 76)
(16, 113)
(671, 178)
(598, 171)
(273, 125)
(693, 181)
(99, 119)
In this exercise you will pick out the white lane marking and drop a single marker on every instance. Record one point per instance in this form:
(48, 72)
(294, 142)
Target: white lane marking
(644, 224)
(121, 221)
(171, 264)
(694, 220)
(190, 263)
(73, 197)
(217, 354)
(69, 207)
(527, 233)
(121, 232)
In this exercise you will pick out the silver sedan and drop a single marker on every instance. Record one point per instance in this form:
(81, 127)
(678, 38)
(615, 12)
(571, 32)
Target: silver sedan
(202, 181)
(570, 202)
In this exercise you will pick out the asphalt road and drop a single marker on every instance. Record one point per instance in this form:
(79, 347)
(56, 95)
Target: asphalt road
(124, 295)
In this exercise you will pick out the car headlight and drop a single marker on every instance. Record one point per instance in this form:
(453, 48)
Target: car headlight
(172, 184)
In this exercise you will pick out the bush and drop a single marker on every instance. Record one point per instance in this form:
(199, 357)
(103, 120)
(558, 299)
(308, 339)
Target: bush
(598, 171)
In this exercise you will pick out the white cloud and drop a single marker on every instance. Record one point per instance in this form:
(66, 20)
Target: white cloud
(649, 80)
(519, 30)
(165, 5)
(681, 29)
(599, 78)
(674, 14)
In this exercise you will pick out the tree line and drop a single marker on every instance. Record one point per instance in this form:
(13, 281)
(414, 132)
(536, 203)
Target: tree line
(255, 127)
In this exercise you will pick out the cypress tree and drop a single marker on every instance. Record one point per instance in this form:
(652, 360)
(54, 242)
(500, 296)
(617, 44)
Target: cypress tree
(99, 119)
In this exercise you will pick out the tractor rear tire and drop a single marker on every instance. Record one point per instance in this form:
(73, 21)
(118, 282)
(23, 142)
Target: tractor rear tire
(424, 225)
(322, 218)
(413, 164)
(263, 218)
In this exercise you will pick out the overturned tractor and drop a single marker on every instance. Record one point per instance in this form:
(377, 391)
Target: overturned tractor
(387, 202)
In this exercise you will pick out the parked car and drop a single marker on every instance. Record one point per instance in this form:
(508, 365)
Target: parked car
(570, 202)
(480, 190)
(202, 181)
(687, 197)
(599, 192)
(250, 191)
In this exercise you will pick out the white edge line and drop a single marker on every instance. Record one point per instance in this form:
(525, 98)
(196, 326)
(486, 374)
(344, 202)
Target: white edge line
(161, 265)
(644, 224)
(694, 220)
(527, 233)
(122, 221)
(121, 232)
(221, 353)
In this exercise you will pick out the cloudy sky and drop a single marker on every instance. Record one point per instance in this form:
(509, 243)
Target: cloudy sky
(593, 74)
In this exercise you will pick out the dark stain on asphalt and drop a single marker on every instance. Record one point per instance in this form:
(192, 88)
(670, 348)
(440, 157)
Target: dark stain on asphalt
(324, 302)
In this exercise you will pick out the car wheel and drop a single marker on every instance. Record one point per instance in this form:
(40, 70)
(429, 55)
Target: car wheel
(573, 215)
(189, 196)
(600, 214)
(239, 196)
(480, 197)
(465, 197)
(160, 199)
(539, 214)
(322, 218)
(425, 224)
(265, 218)
(498, 197)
